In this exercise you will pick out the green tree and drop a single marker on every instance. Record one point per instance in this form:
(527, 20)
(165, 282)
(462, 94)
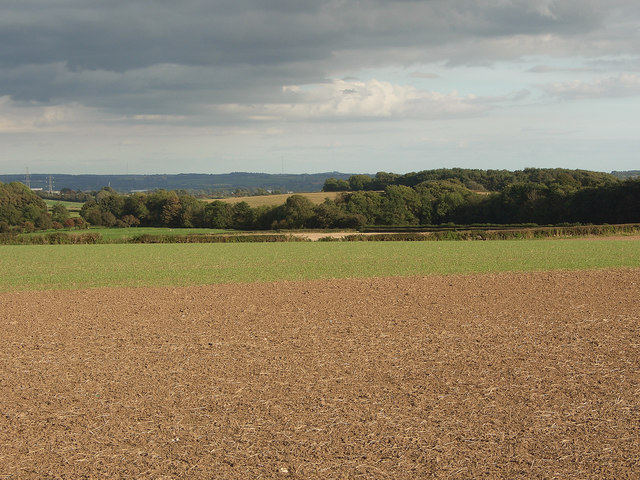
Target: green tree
(328, 214)
(360, 182)
(18, 204)
(299, 212)
(171, 209)
(335, 185)
(366, 204)
(400, 206)
(191, 211)
(91, 212)
(59, 213)
(217, 214)
(242, 216)
(135, 205)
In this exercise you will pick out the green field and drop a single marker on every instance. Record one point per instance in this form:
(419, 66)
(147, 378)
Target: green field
(43, 267)
(120, 233)
(71, 206)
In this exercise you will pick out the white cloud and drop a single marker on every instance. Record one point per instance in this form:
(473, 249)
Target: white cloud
(21, 118)
(353, 99)
(623, 85)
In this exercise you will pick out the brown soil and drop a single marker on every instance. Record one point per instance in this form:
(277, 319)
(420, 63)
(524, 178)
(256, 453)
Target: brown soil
(488, 376)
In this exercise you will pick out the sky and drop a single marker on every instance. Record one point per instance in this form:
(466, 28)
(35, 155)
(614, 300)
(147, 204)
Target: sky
(307, 86)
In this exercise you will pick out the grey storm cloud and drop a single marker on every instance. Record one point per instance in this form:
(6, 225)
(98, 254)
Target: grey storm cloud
(155, 55)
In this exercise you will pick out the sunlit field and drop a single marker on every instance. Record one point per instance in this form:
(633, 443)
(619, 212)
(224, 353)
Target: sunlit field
(79, 266)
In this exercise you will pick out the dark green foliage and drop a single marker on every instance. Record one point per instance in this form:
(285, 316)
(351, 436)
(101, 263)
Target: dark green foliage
(548, 197)
(485, 180)
(329, 215)
(135, 205)
(19, 206)
(299, 212)
(365, 204)
(361, 182)
(217, 214)
(59, 213)
(242, 216)
(335, 185)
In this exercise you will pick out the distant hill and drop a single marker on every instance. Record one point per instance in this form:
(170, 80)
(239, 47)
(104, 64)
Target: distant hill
(194, 182)
(626, 174)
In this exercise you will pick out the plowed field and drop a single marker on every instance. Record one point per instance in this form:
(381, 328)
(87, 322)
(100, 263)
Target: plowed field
(531, 375)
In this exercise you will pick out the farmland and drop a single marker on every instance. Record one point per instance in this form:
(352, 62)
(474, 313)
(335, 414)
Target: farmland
(85, 266)
(130, 232)
(271, 200)
(512, 359)
(72, 207)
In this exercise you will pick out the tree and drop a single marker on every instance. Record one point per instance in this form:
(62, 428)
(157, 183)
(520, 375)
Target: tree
(135, 205)
(191, 211)
(91, 212)
(359, 182)
(108, 219)
(104, 193)
(335, 185)
(170, 213)
(400, 206)
(242, 216)
(163, 207)
(441, 201)
(59, 213)
(366, 204)
(384, 179)
(130, 221)
(217, 214)
(328, 214)
(18, 204)
(299, 212)
(112, 203)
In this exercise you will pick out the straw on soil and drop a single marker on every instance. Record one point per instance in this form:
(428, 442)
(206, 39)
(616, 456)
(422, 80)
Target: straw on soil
(530, 375)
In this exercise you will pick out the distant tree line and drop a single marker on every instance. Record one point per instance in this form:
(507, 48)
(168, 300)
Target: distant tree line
(167, 208)
(474, 179)
(432, 197)
(544, 197)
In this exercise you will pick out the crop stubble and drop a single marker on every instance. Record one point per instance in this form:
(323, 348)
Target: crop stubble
(528, 375)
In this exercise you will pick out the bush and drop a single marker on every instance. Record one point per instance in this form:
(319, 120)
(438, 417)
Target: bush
(57, 238)
(80, 223)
